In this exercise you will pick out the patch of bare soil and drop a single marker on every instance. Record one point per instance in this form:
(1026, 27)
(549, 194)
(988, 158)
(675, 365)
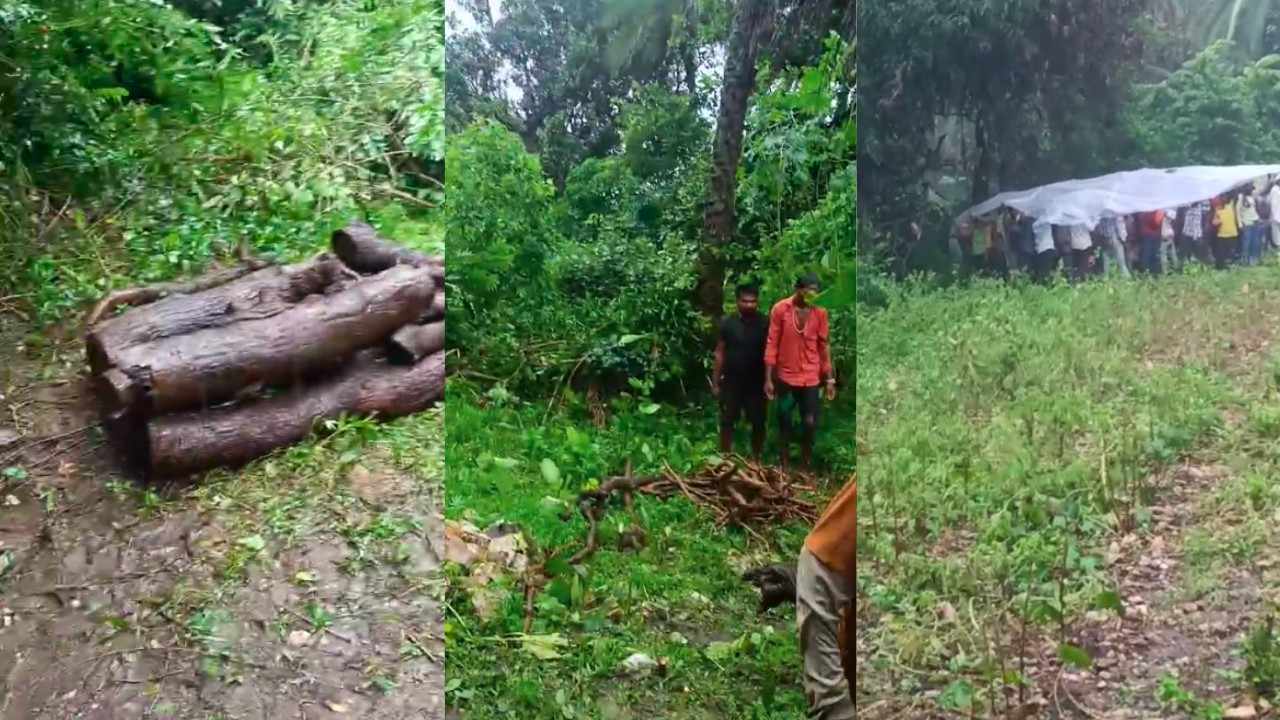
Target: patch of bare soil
(1159, 633)
(92, 592)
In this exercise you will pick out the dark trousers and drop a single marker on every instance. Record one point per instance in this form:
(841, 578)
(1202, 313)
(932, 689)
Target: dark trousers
(1045, 264)
(1224, 250)
(1149, 253)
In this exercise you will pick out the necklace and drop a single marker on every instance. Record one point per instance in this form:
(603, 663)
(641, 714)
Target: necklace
(795, 318)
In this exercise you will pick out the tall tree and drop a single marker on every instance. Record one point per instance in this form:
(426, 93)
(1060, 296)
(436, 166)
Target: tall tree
(752, 30)
(1039, 82)
(788, 33)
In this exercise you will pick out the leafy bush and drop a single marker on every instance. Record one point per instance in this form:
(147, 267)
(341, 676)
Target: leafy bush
(138, 144)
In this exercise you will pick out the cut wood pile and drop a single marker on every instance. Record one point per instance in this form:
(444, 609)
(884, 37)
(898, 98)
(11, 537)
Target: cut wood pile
(736, 491)
(232, 365)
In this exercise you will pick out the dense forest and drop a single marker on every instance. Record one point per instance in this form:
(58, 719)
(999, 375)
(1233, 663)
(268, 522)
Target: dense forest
(144, 141)
(614, 170)
(1067, 489)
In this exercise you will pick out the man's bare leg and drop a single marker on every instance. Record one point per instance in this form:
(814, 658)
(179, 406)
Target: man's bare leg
(806, 443)
(726, 440)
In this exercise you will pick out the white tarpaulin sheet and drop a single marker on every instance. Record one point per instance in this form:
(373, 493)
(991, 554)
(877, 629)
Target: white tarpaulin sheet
(1085, 202)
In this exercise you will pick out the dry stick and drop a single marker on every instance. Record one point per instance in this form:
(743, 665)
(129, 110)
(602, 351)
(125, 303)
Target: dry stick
(41, 441)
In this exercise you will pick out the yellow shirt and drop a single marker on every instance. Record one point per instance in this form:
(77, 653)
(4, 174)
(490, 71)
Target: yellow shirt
(1226, 216)
(834, 536)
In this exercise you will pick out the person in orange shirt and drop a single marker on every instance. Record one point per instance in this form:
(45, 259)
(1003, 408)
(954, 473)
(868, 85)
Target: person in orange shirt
(797, 360)
(824, 592)
(821, 585)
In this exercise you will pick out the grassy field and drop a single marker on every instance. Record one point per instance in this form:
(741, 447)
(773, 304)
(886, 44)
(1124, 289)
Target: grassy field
(678, 599)
(1062, 484)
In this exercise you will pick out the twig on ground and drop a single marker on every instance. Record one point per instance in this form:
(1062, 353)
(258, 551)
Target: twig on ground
(320, 628)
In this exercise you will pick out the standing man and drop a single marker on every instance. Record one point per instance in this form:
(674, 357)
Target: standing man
(738, 378)
(1273, 213)
(797, 362)
(1113, 232)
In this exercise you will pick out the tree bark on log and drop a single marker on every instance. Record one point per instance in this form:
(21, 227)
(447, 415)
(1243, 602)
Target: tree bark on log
(186, 443)
(412, 343)
(207, 367)
(434, 313)
(361, 248)
(209, 304)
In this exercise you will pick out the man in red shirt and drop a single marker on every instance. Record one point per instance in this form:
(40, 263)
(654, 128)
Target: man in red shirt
(797, 361)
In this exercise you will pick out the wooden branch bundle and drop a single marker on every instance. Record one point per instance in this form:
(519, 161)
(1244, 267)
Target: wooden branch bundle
(736, 491)
(741, 493)
(182, 375)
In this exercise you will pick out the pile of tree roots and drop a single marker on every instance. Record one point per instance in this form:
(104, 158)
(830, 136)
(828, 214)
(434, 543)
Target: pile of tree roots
(735, 491)
(228, 367)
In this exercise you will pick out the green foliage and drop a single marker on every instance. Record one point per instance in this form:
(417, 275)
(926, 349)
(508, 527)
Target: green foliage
(678, 598)
(661, 131)
(1024, 95)
(1214, 110)
(1262, 659)
(500, 216)
(593, 285)
(138, 145)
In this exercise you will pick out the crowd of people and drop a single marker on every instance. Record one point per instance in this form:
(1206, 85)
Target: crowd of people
(1240, 226)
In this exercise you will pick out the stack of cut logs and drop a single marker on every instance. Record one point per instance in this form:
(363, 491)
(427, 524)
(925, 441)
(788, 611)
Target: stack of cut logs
(235, 364)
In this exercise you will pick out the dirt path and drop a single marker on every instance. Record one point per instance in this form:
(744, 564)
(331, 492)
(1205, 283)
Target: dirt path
(1162, 632)
(115, 608)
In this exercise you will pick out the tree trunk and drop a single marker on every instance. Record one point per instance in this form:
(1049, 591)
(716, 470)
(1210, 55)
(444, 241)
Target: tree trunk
(361, 248)
(751, 31)
(255, 296)
(187, 443)
(412, 343)
(207, 367)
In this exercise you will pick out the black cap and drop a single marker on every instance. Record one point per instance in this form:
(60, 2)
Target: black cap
(808, 280)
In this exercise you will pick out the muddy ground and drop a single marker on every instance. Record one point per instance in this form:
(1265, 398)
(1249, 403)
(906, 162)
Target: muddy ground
(119, 600)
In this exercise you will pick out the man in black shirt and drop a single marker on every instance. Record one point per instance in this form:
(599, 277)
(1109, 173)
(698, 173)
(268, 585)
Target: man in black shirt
(738, 377)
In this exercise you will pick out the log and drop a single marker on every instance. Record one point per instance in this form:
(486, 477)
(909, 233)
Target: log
(412, 343)
(207, 367)
(253, 296)
(185, 443)
(360, 247)
(436, 312)
(151, 293)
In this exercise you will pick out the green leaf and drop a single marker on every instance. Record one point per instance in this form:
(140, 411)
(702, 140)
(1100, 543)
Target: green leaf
(957, 696)
(1109, 600)
(15, 473)
(544, 647)
(628, 339)
(650, 408)
(1072, 655)
(550, 472)
(720, 650)
(506, 463)
(253, 542)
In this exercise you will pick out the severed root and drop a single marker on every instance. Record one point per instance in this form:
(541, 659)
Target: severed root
(151, 293)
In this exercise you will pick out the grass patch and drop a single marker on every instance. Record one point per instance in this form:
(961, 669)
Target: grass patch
(679, 599)
(1038, 422)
